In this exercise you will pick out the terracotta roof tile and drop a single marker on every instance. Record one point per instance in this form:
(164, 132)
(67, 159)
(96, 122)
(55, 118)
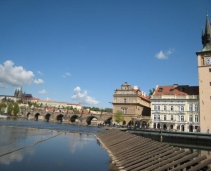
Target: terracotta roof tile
(177, 90)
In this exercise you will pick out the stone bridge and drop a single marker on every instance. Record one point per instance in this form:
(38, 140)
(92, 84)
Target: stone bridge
(83, 119)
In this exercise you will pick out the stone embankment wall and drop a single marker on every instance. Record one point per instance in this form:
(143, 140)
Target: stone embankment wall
(131, 152)
(183, 138)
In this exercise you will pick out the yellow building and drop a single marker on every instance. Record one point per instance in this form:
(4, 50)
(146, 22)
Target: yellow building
(133, 103)
(175, 107)
(204, 71)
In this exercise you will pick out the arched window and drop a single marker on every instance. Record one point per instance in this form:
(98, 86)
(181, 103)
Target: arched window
(158, 107)
(190, 107)
(196, 107)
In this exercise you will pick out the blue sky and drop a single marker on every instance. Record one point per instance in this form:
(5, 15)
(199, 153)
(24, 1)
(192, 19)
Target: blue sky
(81, 51)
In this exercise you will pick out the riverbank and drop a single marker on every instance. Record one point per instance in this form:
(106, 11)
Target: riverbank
(190, 139)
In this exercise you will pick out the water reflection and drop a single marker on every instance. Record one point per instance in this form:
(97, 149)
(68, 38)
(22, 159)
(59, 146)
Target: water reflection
(16, 157)
(79, 141)
(67, 151)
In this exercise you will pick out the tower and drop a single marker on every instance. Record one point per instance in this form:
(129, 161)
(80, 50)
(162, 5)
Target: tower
(204, 73)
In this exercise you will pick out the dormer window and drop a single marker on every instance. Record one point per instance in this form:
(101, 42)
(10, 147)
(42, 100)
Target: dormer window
(160, 89)
(182, 89)
(171, 90)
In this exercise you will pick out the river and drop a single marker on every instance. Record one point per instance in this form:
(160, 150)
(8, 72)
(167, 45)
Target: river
(35, 145)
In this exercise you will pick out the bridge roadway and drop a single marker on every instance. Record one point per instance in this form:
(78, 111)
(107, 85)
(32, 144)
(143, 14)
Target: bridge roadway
(131, 152)
(83, 119)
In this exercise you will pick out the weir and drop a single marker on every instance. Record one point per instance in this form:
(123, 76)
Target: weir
(132, 152)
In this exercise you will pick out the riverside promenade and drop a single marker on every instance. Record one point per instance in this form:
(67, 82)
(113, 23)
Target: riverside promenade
(132, 152)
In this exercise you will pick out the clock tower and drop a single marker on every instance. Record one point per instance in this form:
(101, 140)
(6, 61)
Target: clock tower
(204, 72)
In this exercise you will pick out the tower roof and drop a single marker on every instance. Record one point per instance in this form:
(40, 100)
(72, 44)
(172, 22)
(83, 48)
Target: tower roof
(206, 36)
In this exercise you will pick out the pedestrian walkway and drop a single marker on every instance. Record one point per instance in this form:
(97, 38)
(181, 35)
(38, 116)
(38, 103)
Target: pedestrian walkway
(131, 152)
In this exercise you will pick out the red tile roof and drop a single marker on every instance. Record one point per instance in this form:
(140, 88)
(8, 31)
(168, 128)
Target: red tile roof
(177, 90)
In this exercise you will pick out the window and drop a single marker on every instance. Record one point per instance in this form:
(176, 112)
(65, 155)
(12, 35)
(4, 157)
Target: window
(209, 69)
(182, 118)
(190, 118)
(164, 117)
(190, 107)
(124, 111)
(196, 108)
(158, 107)
(172, 108)
(171, 90)
(125, 100)
(160, 89)
(155, 107)
(178, 108)
(172, 117)
(164, 108)
(156, 117)
(196, 118)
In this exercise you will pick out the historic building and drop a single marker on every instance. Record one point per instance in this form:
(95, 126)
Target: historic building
(204, 72)
(133, 103)
(48, 103)
(18, 95)
(175, 107)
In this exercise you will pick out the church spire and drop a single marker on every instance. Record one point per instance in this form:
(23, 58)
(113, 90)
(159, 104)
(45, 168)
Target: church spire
(206, 36)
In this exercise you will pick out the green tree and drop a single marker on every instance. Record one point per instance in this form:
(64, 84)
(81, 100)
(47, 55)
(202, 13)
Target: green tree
(118, 116)
(151, 91)
(75, 110)
(9, 108)
(15, 109)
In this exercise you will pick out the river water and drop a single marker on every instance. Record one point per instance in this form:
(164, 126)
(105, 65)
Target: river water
(32, 145)
(36, 145)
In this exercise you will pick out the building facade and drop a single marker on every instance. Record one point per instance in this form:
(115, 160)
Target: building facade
(133, 103)
(48, 104)
(204, 72)
(175, 107)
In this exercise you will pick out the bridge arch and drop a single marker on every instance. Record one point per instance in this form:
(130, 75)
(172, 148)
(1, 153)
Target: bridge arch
(59, 117)
(74, 118)
(28, 114)
(90, 119)
(36, 116)
(47, 117)
(108, 121)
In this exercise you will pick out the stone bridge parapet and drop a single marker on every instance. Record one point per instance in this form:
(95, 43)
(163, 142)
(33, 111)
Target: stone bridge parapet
(83, 119)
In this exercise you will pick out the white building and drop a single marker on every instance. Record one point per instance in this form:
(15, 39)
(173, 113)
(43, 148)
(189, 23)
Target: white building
(48, 103)
(175, 107)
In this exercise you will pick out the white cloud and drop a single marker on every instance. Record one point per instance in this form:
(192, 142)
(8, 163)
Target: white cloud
(2, 85)
(67, 74)
(42, 91)
(83, 97)
(14, 75)
(39, 72)
(38, 81)
(164, 55)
